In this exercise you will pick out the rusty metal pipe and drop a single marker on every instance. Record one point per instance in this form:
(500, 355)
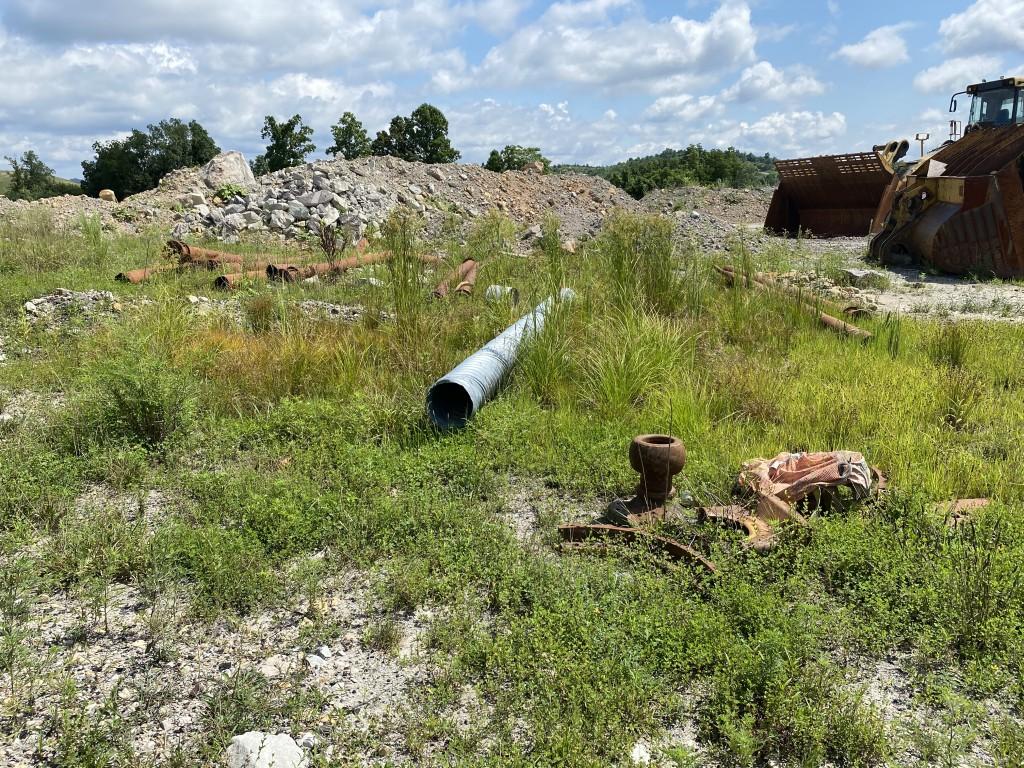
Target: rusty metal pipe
(232, 281)
(136, 276)
(463, 277)
(766, 283)
(189, 253)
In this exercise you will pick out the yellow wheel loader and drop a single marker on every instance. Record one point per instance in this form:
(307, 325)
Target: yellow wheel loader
(961, 209)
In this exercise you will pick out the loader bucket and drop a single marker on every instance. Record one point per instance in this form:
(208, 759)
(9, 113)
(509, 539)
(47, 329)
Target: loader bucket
(962, 210)
(830, 195)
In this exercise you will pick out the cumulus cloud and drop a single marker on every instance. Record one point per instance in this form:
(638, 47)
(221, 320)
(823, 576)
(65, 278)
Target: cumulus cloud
(582, 43)
(764, 81)
(685, 107)
(953, 74)
(882, 47)
(986, 26)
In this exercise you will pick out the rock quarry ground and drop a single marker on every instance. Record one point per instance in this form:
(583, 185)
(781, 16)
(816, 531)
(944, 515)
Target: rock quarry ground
(228, 536)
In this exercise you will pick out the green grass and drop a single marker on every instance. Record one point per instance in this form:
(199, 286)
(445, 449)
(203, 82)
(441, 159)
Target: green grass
(288, 438)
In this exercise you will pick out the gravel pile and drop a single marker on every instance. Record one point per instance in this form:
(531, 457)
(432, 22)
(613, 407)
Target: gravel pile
(710, 218)
(222, 200)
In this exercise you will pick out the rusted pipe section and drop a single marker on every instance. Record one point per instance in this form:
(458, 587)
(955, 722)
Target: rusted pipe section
(257, 271)
(670, 548)
(136, 276)
(213, 262)
(463, 277)
(765, 283)
(189, 253)
(291, 273)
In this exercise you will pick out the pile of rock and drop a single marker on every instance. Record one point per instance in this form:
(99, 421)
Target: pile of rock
(63, 305)
(359, 195)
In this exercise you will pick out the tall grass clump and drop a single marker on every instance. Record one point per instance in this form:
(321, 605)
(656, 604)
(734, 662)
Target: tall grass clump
(949, 345)
(637, 255)
(630, 358)
(493, 235)
(401, 240)
(550, 245)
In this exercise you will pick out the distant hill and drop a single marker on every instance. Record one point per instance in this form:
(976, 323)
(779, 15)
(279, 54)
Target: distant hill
(684, 167)
(63, 186)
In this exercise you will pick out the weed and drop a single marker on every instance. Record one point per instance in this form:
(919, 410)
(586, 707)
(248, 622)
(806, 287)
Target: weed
(638, 258)
(137, 398)
(19, 580)
(382, 635)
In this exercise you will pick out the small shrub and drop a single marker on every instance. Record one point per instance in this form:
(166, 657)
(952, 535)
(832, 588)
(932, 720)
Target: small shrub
(383, 635)
(228, 191)
(135, 399)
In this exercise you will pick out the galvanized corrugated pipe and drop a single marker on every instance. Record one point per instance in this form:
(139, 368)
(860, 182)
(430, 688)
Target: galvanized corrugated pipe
(454, 399)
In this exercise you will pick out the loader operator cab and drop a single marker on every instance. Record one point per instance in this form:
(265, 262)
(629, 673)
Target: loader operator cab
(998, 102)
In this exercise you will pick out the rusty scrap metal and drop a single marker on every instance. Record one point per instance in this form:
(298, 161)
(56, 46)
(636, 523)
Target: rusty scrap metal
(463, 277)
(192, 253)
(136, 276)
(832, 195)
(670, 548)
(765, 282)
(256, 271)
(760, 535)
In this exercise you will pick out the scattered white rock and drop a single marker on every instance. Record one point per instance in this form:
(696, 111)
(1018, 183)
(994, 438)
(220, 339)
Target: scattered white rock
(256, 749)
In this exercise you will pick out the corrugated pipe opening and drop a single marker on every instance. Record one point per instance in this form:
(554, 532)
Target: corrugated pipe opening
(449, 404)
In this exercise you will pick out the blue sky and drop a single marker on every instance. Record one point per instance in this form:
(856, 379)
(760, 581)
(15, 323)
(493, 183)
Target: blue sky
(586, 80)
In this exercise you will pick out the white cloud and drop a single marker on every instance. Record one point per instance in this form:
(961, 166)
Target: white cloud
(579, 43)
(953, 75)
(685, 107)
(764, 81)
(882, 47)
(784, 133)
(986, 26)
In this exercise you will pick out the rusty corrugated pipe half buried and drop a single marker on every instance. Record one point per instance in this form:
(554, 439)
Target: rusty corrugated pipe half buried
(455, 398)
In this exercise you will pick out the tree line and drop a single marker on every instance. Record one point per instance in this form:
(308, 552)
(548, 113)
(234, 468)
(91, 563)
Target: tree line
(138, 162)
(685, 167)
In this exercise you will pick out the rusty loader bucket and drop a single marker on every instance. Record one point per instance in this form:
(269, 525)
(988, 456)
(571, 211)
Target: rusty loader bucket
(832, 195)
(961, 211)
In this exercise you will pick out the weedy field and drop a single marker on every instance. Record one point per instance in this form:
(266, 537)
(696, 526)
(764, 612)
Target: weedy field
(197, 494)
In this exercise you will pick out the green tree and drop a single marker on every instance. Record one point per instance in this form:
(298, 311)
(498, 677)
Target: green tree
(138, 162)
(32, 179)
(350, 138)
(421, 137)
(514, 158)
(289, 144)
